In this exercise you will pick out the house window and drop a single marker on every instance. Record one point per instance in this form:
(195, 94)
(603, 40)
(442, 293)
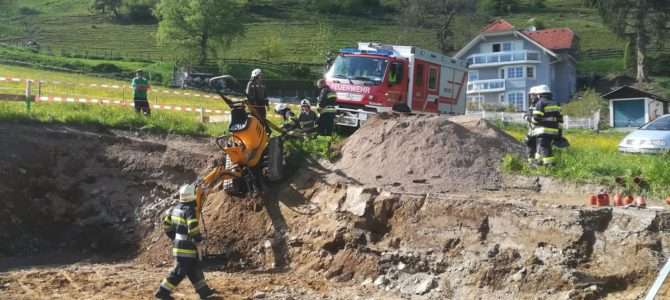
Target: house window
(530, 72)
(432, 79)
(501, 98)
(496, 48)
(507, 47)
(502, 73)
(515, 72)
(473, 75)
(515, 99)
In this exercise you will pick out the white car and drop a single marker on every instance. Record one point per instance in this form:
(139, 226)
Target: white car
(653, 137)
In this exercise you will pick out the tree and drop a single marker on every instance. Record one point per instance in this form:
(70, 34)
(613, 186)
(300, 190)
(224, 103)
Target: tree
(446, 14)
(641, 22)
(194, 27)
(106, 6)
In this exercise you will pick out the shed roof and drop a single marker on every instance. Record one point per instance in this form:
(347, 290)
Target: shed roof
(627, 91)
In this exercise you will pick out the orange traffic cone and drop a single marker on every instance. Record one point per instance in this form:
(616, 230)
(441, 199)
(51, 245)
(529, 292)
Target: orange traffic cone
(618, 199)
(593, 200)
(640, 201)
(667, 200)
(628, 199)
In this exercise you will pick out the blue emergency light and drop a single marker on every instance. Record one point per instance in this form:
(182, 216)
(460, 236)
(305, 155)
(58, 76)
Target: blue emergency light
(382, 52)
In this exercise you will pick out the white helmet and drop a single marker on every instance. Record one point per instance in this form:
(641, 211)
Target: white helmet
(305, 102)
(256, 72)
(280, 107)
(540, 89)
(187, 193)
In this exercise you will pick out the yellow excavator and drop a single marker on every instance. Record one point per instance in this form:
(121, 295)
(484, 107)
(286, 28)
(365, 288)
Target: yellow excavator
(252, 156)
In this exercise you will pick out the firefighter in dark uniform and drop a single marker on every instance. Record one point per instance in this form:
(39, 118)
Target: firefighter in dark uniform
(256, 95)
(327, 109)
(286, 114)
(544, 126)
(181, 226)
(307, 118)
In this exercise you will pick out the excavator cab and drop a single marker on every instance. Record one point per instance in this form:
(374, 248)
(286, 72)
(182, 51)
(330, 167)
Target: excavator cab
(252, 157)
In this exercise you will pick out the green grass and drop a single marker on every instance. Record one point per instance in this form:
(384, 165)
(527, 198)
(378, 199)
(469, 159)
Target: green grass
(593, 158)
(76, 85)
(303, 35)
(601, 66)
(109, 117)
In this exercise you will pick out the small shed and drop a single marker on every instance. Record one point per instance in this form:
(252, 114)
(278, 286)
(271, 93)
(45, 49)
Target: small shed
(632, 107)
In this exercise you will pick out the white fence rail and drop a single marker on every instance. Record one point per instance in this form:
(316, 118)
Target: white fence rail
(517, 117)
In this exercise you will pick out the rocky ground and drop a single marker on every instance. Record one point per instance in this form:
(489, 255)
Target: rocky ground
(317, 236)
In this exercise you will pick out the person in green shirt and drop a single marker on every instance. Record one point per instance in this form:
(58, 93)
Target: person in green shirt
(140, 87)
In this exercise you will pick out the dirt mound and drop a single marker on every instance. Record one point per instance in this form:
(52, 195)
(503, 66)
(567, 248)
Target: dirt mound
(78, 189)
(235, 233)
(426, 153)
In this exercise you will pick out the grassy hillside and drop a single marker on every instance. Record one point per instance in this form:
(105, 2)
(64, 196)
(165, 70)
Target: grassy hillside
(302, 35)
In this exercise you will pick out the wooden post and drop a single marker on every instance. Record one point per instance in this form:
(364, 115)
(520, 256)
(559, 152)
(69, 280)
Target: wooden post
(28, 95)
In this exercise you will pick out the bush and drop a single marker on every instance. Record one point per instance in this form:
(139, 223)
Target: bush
(348, 7)
(106, 68)
(140, 10)
(660, 65)
(28, 11)
(497, 7)
(586, 106)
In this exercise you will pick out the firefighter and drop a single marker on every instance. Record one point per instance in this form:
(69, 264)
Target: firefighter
(140, 87)
(544, 126)
(286, 114)
(327, 109)
(307, 118)
(181, 226)
(256, 95)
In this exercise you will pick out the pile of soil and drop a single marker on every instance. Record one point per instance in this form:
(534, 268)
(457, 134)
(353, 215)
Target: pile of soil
(427, 153)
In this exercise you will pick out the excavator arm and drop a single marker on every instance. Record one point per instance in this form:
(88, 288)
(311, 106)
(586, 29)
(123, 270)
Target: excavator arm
(207, 183)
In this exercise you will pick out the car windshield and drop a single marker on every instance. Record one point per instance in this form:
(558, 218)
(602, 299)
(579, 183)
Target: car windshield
(662, 123)
(359, 68)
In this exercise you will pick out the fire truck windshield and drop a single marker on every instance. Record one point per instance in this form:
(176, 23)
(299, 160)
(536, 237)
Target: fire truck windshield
(368, 69)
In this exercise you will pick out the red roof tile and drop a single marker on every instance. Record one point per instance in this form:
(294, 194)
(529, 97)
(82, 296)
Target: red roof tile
(498, 25)
(553, 38)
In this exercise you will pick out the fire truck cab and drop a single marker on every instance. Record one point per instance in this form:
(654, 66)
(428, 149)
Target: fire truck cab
(375, 78)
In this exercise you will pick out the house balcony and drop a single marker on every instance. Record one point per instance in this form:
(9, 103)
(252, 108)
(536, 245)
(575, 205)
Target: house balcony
(503, 58)
(486, 86)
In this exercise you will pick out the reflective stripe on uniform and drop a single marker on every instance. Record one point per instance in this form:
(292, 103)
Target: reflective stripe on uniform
(543, 130)
(167, 285)
(329, 109)
(191, 221)
(178, 220)
(552, 108)
(537, 112)
(181, 237)
(184, 252)
(548, 160)
(194, 231)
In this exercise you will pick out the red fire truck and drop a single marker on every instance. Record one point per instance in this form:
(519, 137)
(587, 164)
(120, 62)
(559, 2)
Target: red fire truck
(376, 78)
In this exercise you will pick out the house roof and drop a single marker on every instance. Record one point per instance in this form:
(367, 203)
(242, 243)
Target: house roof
(627, 91)
(553, 38)
(548, 39)
(497, 26)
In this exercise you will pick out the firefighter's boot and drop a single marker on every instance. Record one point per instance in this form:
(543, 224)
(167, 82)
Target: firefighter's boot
(206, 292)
(163, 294)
